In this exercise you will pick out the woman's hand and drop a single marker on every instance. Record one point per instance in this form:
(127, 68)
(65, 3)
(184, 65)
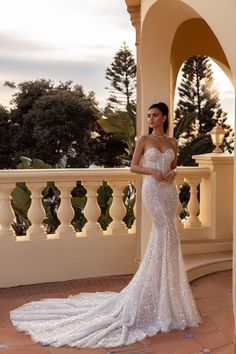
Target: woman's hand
(158, 175)
(169, 177)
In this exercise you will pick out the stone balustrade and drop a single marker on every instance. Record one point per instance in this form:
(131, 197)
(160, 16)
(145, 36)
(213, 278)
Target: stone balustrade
(191, 176)
(65, 180)
(39, 256)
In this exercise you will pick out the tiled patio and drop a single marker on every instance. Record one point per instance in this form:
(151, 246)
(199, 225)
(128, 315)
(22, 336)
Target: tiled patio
(214, 298)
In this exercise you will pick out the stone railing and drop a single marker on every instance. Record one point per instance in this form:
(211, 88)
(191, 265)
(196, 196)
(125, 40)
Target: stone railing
(210, 208)
(91, 179)
(65, 180)
(191, 176)
(67, 254)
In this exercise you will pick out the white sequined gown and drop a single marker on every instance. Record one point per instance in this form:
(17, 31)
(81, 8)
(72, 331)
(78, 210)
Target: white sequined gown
(158, 298)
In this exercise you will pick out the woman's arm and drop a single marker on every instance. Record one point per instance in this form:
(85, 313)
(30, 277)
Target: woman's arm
(135, 163)
(174, 144)
(171, 175)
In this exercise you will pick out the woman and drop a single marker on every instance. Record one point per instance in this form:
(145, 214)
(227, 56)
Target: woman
(158, 298)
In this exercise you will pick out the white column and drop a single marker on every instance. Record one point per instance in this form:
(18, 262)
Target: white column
(135, 15)
(92, 210)
(193, 204)
(117, 209)
(36, 213)
(234, 233)
(6, 212)
(179, 224)
(65, 211)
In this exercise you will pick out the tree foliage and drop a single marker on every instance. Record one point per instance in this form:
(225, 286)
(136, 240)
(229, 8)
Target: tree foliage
(52, 123)
(120, 124)
(5, 138)
(119, 117)
(122, 77)
(198, 111)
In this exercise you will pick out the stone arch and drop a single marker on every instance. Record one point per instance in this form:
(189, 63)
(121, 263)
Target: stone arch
(200, 40)
(172, 24)
(162, 26)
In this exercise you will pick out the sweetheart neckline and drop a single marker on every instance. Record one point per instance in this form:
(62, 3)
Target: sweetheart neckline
(158, 150)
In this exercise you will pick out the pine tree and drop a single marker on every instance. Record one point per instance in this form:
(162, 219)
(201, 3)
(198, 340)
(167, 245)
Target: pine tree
(198, 111)
(119, 117)
(122, 77)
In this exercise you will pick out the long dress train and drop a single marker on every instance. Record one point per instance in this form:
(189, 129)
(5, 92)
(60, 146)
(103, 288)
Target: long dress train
(158, 298)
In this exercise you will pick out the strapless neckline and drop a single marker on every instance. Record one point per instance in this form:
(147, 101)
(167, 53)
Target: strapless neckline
(154, 148)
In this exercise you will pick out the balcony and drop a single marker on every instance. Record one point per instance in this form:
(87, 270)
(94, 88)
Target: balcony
(38, 257)
(106, 258)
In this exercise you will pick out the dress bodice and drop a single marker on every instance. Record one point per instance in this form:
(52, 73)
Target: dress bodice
(154, 158)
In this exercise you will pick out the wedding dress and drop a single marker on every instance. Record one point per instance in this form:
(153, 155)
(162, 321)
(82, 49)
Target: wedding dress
(158, 298)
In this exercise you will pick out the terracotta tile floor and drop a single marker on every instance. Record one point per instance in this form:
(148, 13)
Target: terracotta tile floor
(213, 294)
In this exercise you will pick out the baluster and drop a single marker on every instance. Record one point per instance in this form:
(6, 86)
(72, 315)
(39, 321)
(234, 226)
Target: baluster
(6, 213)
(36, 213)
(65, 211)
(92, 210)
(193, 204)
(117, 209)
(179, 224)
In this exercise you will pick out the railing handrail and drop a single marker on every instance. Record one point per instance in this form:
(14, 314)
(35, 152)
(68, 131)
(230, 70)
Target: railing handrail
(193, 171)
(90, 174)
(67, 174)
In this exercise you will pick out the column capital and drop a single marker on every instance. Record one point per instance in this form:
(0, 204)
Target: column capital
(214, 159)
(135, 17)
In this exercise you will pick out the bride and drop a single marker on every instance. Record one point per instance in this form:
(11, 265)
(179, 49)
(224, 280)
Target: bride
(158, 298)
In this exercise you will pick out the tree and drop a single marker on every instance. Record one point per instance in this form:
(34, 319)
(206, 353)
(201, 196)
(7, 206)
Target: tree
(62, 123)
(122, 77)
(119, 118)
(28, 93)
(198, 111)
(51, 122)
(120, 125)
(5, 139)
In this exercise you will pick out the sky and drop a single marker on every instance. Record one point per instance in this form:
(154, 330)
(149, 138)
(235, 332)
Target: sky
(62, 40)
(70, 40)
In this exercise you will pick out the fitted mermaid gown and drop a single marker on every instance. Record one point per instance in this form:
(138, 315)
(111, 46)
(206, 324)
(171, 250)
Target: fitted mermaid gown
(158, 298)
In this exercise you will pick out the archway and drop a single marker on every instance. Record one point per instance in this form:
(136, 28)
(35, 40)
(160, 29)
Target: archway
(166, 28)
(165, 46)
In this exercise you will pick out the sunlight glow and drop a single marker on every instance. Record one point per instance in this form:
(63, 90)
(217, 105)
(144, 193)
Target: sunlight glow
(225, 90)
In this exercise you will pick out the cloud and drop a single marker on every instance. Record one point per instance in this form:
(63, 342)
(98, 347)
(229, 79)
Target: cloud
(11, 43)
(91, 75)
(13, 46)
(62, 40)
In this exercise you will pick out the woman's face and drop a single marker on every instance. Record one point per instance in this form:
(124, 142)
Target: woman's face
(155, 118)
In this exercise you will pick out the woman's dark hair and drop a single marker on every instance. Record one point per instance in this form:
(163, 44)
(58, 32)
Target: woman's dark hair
(165, 111)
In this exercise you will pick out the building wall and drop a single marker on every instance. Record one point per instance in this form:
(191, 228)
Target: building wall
(170, 31)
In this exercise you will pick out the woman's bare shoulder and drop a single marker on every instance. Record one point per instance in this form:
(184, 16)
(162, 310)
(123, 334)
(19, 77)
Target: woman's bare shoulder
(174, 142)
(142, 139)
(143, 136)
